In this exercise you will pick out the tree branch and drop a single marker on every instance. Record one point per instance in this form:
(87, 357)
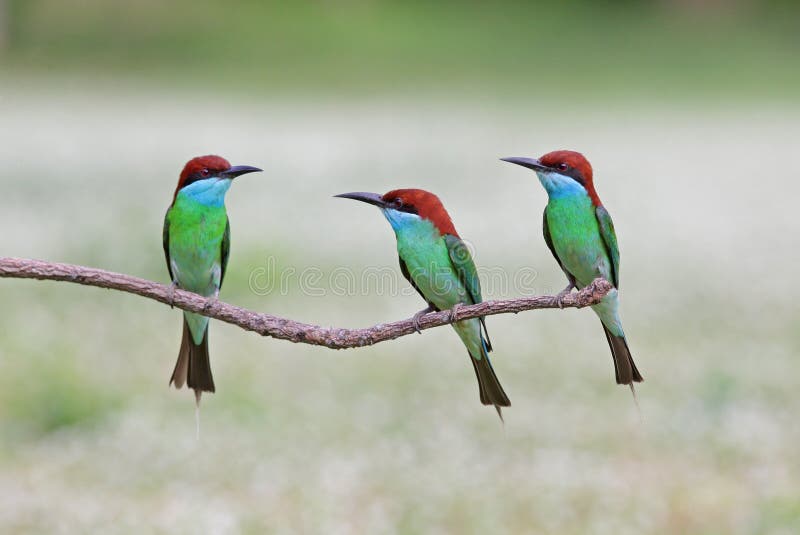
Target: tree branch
(282, 328)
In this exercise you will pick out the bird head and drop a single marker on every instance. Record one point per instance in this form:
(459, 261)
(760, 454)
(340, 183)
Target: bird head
(561, 172)
(210, 174)
(407, 206)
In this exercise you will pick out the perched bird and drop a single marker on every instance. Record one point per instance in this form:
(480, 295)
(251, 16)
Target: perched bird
(439, 266)
(580, 234)
(197, 239)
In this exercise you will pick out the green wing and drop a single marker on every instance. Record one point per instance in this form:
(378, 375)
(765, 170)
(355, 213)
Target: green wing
(610, 240)
(165, 239)
(225, 250)
(464, 266)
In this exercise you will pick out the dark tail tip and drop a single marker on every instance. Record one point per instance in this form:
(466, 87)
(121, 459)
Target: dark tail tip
(624, 366)
(199, 377)
(193, 366)
(491, 391)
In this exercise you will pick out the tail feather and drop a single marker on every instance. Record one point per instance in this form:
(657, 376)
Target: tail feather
(624, 367)
(193, 367)
(491, 391)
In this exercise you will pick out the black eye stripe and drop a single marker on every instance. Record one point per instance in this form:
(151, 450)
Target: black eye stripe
(572, 173)
(194, 177)
(400, 206)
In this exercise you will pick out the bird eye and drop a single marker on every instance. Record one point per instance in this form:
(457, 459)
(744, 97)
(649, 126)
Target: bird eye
(398, 203)
(563, 166)
(204, 172)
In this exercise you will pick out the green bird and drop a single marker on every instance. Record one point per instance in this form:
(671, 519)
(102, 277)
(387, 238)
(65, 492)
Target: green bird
(197, 241)
(439, 266)
(580, 234)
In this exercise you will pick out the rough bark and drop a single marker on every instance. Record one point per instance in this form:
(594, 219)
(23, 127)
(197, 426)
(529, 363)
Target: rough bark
(282, 328)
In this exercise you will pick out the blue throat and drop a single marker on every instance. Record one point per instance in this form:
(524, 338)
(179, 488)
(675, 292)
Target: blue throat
(558, 185)
(208, 192)
(401, 221)
(410, 228)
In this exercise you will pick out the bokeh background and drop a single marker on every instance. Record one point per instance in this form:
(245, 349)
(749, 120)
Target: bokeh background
(689, 112)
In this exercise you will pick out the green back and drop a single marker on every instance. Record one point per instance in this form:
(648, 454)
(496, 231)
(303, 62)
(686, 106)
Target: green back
(581, 238)
(441, 269)
(609, 236)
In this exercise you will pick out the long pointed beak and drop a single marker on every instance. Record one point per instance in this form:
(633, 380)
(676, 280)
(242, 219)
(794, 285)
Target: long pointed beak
(363, 196)
(238, 170)
(530, 163)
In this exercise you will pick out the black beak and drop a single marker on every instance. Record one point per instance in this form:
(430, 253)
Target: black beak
(238, 170)
(530, 163)
(363, 196)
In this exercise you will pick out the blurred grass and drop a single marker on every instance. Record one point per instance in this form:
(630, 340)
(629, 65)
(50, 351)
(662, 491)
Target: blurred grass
(586, 50)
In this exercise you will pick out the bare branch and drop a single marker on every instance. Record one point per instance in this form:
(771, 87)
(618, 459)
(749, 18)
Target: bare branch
(282, 328)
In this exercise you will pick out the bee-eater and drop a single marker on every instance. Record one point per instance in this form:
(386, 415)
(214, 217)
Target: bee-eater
(579, 232)
(197, 241)
(439, 266)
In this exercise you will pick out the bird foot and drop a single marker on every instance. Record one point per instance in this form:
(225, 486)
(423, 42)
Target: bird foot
(211, 301)
(454, 312)
(419, 315)
(559, 299)
(172, 288)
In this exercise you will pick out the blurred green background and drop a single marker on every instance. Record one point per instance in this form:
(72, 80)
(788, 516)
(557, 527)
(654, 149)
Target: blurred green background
(689, 112)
